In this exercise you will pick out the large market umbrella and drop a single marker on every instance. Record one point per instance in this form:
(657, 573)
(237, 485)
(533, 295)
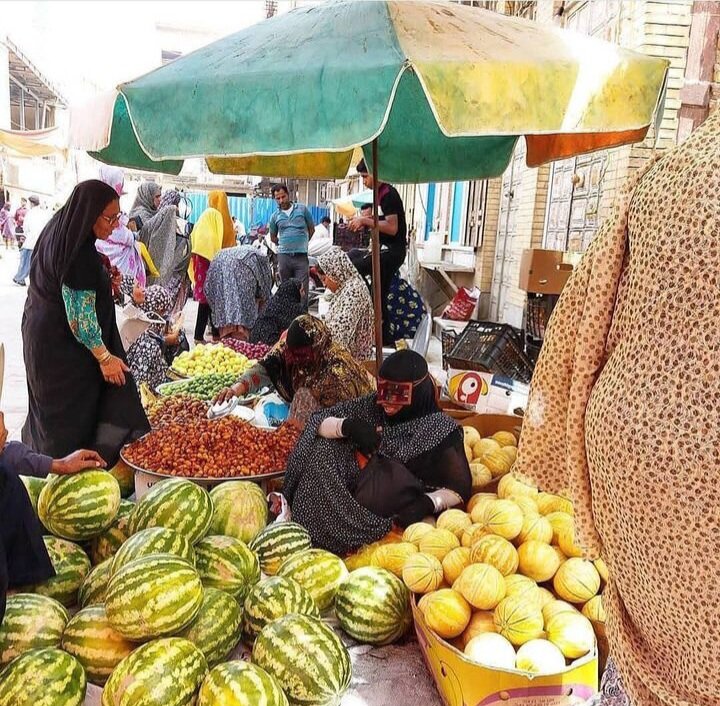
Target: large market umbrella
(440, 91)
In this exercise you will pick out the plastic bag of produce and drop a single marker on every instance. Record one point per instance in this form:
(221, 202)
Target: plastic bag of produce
(132, 323)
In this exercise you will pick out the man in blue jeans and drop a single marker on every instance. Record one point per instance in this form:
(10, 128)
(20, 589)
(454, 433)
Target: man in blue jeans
(290, 228)
(35, 220)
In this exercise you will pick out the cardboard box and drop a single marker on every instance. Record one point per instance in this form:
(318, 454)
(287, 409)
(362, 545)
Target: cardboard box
(462, 682)
(544, 271)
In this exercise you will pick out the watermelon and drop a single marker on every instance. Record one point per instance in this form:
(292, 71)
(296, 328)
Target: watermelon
(227, 563)
(272, 599)
(216, 630)
(90, 638)
(240, 509)
(320, 572)
(306, 657)
(34, 487)
(79, 506)
(44, 677)
(177, 504)
(108, 542)
(373, 606)
(71, 566)
(125, 476)
(93, 588)
(277, 542)
(153, 596)
(154, 540)
(30, 622)
(240, 684)
(164, 672)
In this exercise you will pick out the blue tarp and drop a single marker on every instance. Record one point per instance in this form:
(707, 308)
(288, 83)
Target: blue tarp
(248, 210)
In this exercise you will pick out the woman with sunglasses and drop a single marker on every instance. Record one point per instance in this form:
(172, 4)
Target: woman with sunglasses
(81, 393)
(387, 458)
(307, 369)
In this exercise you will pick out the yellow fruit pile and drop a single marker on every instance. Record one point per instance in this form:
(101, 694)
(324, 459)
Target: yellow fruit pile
(503, 580)
(489, 458)
(209, 358)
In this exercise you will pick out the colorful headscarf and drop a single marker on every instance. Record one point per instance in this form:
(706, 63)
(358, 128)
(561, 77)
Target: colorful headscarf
(219, 201)
(206, 238)
(113, 176)
(170, 198)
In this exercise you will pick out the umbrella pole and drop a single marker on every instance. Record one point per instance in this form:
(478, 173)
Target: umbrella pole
(377, 290)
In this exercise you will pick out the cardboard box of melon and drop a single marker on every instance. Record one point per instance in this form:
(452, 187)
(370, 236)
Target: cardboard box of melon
(503, 600)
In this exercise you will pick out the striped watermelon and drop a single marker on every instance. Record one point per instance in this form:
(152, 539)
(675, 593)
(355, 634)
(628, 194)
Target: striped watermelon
(153, 596)
(240, 509)
(272, 599)
(240, 684)
(108, 542)
(34, 487)
(177, 504)
(154, 540)
(90, 638)
(216, 630)
(125, 476)
(94, 587)
(373, 606)
(227, 563)
(45, 677)
(320, 572)
(306, 657)
(277, 542)
(31, 622)
(71, 566)
(164, 672)
(79, 506)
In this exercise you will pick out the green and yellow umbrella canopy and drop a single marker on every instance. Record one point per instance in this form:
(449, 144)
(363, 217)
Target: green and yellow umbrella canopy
(445, 89)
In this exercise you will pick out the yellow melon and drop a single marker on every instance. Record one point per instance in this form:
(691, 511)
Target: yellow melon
(454, 520)
(505, 438)
(422, 573)
(480, 474)
(560, 521)
(510, 485)
(479, 499)
(491, 650)
(576, 581)
(545, 596)
(502, 517)
(482, 585)
(519, 585)
(540, 657)
(602, 570)
(518, 619)
(414, 532)
(537, 560)
(535, 527)
(467, 536)
(446, 612)
(438, 542)
(485, 446)
(479, 506)
(572, 632)
(547, 503)
(393, 556)
(423, 602)
(454, 562)
(497, 462)
(497, 552)
(560, 555)
(566, 541)
(510, 453)
(481, 621)
(525, 503)
(471, 436)
(554, 607)
(594, 609)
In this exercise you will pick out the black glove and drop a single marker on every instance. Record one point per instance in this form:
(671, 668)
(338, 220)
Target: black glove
(362, 434)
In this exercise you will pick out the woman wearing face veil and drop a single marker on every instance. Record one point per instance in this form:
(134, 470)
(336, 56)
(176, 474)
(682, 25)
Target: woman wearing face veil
(81, 394)
(390, 457)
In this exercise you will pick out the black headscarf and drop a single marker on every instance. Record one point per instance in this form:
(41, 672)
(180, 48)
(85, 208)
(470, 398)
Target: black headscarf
(284, 307)
(408, 366)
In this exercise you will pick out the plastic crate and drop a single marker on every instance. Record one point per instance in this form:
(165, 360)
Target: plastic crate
(492, 348)
(538, 312)
(347, 239)
(447, 340)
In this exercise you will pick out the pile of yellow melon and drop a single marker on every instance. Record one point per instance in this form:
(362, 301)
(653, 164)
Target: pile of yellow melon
(489, 458)
(503, 580)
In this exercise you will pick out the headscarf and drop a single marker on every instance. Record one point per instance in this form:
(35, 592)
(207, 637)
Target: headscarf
(171, 197)
(350, 317)
(157, 301)
(206, 237)
(219, 201)
(113, 176)
(409, 366)
(144, 204)
(332, 376)
(284, 307)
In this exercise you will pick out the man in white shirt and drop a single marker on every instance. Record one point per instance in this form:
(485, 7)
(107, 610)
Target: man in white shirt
(35, 220)
(321, 240)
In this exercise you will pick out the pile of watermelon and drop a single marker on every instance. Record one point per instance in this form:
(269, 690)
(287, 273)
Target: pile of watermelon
(151, 599)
